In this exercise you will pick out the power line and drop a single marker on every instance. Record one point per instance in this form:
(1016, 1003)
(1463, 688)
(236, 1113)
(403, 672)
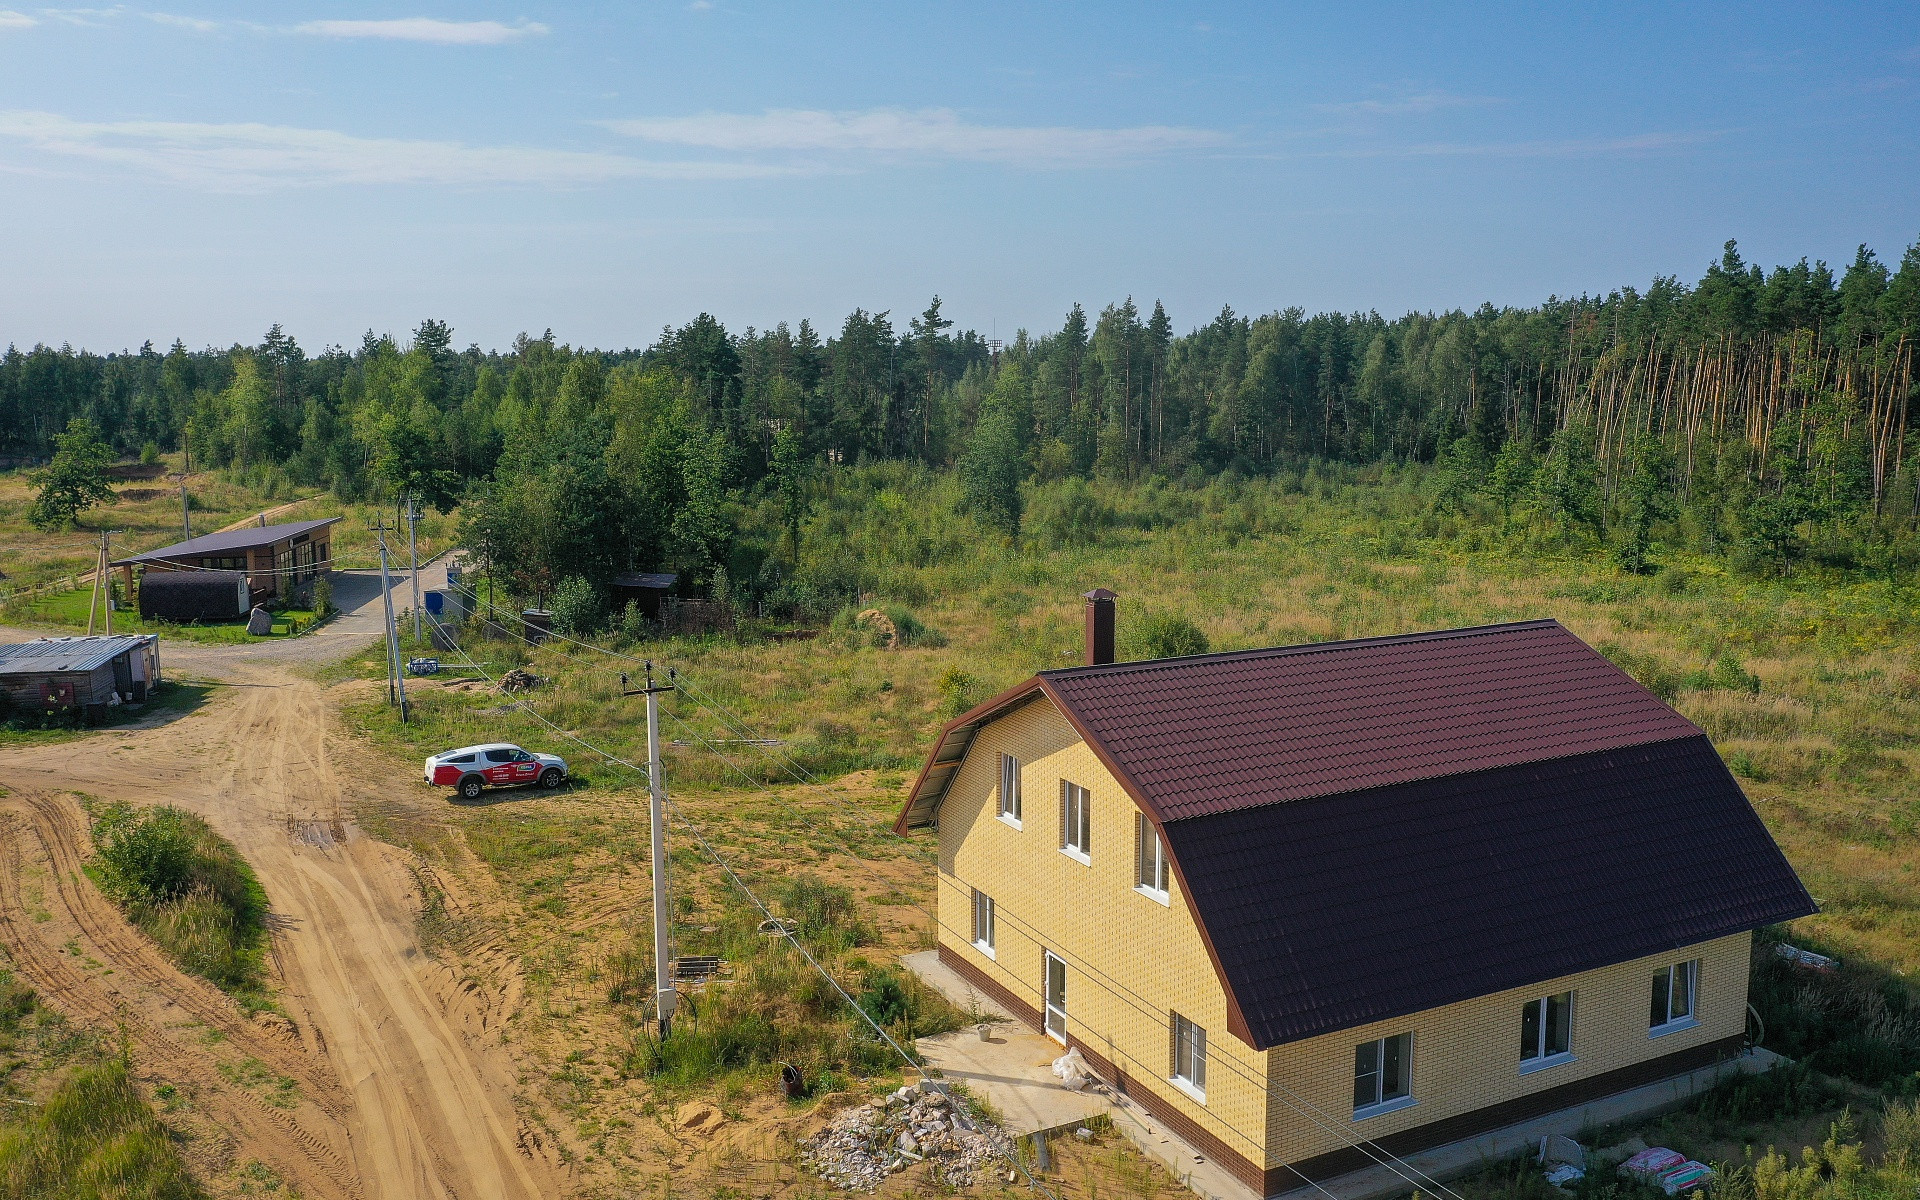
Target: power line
(1379, 1155)
(1375, 1153)
(786, 931)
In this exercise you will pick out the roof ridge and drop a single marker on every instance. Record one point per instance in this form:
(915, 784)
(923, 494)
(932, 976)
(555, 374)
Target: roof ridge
(1304, 648)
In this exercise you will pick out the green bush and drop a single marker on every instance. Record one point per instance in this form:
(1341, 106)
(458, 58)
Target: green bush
(1170, 635)
(95, 1137)
(578, 606)
(189, 890)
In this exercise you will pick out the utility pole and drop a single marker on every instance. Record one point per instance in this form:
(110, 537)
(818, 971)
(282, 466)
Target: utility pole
(413, 555)
(396, 677)
(663, 993)
(186, 514)
(101, 585)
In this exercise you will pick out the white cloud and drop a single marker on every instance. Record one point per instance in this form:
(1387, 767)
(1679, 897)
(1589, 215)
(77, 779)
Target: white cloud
(931, 132)
(15, 20)
(255, 158)
(426, 29)
(197, 24)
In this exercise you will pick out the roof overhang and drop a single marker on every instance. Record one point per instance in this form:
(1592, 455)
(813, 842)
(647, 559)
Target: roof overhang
(950, 750)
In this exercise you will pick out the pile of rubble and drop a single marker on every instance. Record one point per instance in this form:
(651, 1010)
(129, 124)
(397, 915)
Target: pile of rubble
(918, 1123)
(518, 680)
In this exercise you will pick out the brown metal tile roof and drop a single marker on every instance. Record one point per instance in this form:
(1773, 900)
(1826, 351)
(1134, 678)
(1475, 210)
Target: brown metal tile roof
(1368, 829)
(1218, 732)
(1336, 911)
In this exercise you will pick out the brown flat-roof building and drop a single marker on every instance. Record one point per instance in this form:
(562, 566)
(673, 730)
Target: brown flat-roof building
(274, 558)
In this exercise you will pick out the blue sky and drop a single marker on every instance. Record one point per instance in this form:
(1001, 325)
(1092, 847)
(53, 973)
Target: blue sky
(202, 170)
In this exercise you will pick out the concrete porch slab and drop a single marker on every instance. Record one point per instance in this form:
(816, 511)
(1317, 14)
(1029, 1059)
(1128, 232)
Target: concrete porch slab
(1010, 1069)
(1013, 1072)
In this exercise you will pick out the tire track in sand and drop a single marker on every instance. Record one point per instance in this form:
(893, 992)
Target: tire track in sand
(268, 1133)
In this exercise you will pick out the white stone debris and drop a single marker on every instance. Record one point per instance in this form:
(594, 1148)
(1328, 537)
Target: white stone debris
(868, 1142)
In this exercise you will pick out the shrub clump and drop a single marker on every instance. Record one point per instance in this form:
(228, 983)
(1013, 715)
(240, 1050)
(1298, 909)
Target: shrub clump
(189, 890)
(1170, 635)
(95, 1136)
(882, 627)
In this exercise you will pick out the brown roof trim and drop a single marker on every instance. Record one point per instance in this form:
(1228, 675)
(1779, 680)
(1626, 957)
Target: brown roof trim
(966, 723)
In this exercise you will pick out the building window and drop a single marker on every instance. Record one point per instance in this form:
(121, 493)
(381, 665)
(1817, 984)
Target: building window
(1546, 1032)
(1189, 1056)
(1150, 858)
(1010, 790)
(1675, 997)
(1382, 1075)
(1074, 820)
(983, 922)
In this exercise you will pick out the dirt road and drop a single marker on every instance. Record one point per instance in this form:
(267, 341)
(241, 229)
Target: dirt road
(398, 1087)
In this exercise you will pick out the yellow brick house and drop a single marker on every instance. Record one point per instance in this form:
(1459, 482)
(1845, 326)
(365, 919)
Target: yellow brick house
(1391, 892)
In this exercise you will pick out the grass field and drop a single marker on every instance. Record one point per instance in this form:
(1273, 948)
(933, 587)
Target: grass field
(1810, 686)
(146, 515)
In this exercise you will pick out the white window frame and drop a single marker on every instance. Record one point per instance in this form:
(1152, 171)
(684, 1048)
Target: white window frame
(1385, 1104)
(984, 919)
(1538, 1059)
(1009, 802)
(1187, 1043)
(1054, 1017)
(1076, 823)
(1690, 970)
(1152, 872)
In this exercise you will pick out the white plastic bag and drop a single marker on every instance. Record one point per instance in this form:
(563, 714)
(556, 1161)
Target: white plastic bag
(1071, 1070)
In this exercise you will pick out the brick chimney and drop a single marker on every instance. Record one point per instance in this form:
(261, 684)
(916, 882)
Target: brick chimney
(1100, 626)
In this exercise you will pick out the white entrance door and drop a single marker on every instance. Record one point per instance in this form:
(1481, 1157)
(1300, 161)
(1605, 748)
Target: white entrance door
(1056, 997)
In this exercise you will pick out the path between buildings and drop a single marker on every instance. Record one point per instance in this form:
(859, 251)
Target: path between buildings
(396, 1092)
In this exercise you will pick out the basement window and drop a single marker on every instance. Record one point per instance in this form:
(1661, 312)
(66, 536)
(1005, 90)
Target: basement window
(1010, 790)
(1382, 1075)
(1075, 822)
(983, 922)
(1189, 1052)
(1546, 1032)
(1150, 869)
(1676, 999)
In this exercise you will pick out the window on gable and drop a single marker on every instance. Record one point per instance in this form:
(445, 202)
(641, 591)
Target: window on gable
(983, 921)
(1189, 1055)
(1074, 820)
(1675, 997)
(1382, 1074)
(1010, 790)
(1546, 1031)
(1150, 869)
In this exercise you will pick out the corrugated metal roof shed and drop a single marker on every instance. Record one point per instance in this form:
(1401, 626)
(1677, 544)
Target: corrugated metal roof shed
(656, 580)
(50, 655)
(249, 538)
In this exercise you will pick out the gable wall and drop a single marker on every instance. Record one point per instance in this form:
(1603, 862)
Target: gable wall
(1130, 959)
(1466, 1056)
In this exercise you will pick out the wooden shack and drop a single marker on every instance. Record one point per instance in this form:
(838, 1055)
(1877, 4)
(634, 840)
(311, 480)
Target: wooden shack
(87, 673)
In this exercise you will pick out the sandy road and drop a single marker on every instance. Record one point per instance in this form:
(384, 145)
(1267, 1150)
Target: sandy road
(400, 1096)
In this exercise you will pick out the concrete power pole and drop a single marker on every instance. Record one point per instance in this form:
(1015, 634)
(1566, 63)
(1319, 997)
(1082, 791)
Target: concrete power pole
(413, 556)
(663, 994)
(396, 676)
